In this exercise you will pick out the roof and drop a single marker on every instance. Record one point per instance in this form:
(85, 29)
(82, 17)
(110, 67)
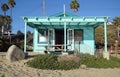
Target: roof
(62, 15)
(70, 20)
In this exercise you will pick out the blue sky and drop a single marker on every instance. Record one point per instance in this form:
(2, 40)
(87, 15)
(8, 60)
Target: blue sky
(87, 8)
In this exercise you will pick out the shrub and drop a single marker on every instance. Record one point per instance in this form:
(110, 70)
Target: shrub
(99, 62)
(50, 62)
(4, 46)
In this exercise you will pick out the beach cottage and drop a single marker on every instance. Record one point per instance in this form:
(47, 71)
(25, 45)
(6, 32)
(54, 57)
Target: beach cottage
(65, 32)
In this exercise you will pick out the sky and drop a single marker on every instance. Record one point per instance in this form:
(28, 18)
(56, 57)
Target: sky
(109, 8)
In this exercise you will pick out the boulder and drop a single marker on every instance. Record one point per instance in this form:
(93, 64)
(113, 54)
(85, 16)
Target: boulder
(106, 55)
(14, 54)
(83, 66)
(68, 58)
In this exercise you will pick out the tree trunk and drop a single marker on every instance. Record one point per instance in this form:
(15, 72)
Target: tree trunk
(118, 33)
(75, 10)
(11, 12)
(4, 13)
(10, 32)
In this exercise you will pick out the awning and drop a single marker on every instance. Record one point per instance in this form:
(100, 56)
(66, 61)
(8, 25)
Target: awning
(59, 20)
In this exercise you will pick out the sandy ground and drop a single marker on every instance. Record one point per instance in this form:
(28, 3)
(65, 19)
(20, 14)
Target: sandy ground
(20, 69)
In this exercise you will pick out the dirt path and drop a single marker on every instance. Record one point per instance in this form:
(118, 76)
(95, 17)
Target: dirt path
(20, 69)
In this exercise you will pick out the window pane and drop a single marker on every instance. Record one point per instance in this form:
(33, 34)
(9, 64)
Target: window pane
(43, 35)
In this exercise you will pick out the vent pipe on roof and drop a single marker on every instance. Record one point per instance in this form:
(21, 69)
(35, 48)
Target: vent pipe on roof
(64, 10)
(43, 8)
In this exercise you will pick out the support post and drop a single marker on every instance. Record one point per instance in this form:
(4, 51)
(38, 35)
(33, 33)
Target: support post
(64, 31)
(25, 37)
(65, 36)
(68, 38)
(72, 39)
(53, 37)
(105, 36)
(35, 39)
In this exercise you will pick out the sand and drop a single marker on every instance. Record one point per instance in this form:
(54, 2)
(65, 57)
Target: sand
(20, 69)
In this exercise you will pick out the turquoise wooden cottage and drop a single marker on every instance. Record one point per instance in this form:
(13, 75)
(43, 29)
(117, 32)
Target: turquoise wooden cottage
(65, 32)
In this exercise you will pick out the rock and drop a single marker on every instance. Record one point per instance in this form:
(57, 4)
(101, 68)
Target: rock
(14, 54)
(68, 57)
(106, 55)
(2, 75)
(83, 66)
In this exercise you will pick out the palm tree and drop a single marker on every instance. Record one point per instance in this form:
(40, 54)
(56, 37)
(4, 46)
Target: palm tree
(116, 23)
(11, 4)
(7, 22)
(74, 5)
(4, 7)
(7, 25)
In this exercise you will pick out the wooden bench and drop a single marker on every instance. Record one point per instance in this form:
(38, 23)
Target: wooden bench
(54, 48)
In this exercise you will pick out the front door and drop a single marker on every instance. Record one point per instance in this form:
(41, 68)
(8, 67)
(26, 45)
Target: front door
(59, 37)
(70, 39)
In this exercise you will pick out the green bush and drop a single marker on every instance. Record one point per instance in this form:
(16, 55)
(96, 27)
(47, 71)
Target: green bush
(99, 62)
(50, 62)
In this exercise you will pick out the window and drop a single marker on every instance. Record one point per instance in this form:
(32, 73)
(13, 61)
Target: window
(78, 34)
(43, 35)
